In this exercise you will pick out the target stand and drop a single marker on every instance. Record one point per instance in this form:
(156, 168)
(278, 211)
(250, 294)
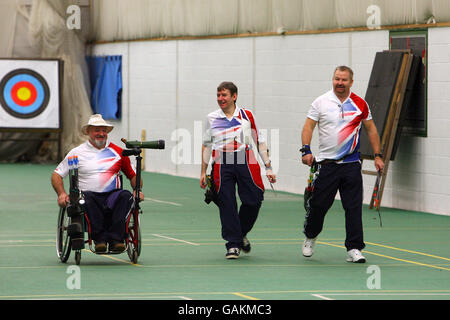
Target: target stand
(30, 97)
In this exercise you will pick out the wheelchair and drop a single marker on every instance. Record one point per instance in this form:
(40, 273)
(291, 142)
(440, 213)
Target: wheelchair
(73, 222)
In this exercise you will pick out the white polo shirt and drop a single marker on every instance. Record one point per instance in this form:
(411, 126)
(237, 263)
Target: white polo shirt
(339, 125)
(98, 169)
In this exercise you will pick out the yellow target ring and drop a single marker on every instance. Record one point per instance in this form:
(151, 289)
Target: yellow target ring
(23, 94)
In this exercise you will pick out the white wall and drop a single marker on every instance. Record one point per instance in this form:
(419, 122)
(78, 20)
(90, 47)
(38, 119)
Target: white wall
(170, 86)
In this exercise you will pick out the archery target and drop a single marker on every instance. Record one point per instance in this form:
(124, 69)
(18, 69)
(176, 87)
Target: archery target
(29, 93)
(24, 93)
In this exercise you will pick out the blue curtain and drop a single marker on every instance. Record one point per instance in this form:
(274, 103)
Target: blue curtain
(105, 75)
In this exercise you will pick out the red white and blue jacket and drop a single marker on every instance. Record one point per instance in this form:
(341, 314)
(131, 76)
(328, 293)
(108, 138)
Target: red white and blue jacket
(238, 133)
(231, 135)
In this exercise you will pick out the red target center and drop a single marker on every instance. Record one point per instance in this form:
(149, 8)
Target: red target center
(23, 93)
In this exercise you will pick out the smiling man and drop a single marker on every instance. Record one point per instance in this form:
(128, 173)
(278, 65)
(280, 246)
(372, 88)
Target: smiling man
(339, 114)
(107, 205)
(228, 133)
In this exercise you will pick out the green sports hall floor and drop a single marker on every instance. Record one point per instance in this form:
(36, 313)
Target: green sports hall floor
(183, 254)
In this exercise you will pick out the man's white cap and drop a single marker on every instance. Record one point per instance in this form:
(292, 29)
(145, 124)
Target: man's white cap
(97, 121)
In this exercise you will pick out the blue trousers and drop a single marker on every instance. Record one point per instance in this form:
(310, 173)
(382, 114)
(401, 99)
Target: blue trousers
(347, 179)
(228, 173)
(107, 213)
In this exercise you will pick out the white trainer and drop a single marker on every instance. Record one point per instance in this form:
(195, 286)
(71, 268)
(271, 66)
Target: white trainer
(356, 256)
(232, 253)
(308, 247)
(246, 246)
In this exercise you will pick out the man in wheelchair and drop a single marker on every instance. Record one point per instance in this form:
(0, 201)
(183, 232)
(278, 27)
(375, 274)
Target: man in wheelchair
(107, 205)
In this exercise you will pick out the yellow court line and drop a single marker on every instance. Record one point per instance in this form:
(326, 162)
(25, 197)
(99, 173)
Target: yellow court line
(114, 258)
(244, 296)
(389, 257)
(406, 250)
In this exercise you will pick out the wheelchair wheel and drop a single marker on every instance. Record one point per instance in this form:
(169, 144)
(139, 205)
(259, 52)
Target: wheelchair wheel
(134, 238)
(63, 243)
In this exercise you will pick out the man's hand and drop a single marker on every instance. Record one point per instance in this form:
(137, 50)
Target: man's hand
(58, 186)
(271, 176)
(308, 159)
(379, 164)
(203, 183)
(63, 199)
(141, 195)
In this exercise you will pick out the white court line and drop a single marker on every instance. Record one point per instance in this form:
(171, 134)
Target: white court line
(321, 297)
(378, 294)
(174, 239)
(389, 294)
(161, 201)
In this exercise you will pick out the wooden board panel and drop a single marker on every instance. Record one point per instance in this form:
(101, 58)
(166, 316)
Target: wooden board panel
(379, 94)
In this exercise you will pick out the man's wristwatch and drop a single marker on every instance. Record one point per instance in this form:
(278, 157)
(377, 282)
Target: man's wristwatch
(379, 155)
(268, 164)
(306, 149)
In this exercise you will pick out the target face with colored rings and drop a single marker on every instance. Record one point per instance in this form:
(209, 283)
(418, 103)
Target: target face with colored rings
(24, 93)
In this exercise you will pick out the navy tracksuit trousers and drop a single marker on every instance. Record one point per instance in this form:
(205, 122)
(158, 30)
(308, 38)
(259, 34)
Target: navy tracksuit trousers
(234, 168)
(107, 213)
(347, 179)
